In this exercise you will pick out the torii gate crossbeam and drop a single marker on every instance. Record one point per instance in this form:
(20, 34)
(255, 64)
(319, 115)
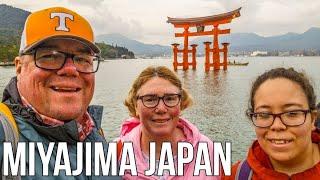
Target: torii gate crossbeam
(200, 23)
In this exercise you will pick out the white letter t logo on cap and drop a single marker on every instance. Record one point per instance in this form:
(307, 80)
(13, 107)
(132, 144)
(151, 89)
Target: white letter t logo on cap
(62, 20)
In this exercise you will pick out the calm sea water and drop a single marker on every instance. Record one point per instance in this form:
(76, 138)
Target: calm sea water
(220, 97)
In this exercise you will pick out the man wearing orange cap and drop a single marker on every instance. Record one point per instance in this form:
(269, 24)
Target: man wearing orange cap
(49, 98)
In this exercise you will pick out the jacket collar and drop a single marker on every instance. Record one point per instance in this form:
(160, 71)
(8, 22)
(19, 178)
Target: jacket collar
(260, 163)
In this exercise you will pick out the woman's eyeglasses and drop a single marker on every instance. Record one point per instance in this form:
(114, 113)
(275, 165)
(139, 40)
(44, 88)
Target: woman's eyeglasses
(151, 100)
(289, 118)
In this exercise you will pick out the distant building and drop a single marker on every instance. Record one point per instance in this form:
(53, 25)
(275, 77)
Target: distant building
(259, 53)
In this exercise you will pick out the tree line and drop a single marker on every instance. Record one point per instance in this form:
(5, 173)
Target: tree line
(10, 43)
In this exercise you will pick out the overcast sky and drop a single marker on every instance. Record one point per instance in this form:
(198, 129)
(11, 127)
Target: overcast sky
(145, 20)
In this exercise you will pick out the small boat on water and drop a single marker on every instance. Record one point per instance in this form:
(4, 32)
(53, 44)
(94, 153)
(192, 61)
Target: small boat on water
(234, 63)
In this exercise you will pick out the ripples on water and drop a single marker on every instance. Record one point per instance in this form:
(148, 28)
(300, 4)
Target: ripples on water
(220, 97)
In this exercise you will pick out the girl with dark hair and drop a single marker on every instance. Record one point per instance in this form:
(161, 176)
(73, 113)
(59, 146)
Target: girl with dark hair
(282, 108)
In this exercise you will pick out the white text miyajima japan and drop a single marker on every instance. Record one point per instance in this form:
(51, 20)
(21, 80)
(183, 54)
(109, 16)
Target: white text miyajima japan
(162, 89)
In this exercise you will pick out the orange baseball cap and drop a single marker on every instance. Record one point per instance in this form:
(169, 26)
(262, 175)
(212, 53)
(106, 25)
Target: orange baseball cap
(56, 22)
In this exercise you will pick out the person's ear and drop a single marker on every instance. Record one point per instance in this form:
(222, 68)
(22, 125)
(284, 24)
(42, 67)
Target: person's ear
(314, 117)
(137, 114)
(18, 64)
(135, 105)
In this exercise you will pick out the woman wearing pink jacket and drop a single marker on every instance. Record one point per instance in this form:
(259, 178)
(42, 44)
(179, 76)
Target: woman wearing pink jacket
(155, 102)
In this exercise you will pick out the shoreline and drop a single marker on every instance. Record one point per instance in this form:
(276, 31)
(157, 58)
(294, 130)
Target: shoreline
(6, 63)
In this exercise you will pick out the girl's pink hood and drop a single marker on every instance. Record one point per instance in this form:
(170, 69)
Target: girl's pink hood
(190, 131)
(131, 131)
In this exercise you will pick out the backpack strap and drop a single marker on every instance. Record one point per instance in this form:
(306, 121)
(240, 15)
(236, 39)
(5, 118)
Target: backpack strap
(244, 171)
(11, 133)
(4, 110)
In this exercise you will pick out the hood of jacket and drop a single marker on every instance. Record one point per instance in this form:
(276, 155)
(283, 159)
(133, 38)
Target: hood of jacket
(130, 130)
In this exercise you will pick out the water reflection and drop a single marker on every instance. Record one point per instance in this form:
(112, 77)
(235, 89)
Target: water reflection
(218, 111)
(220, 97)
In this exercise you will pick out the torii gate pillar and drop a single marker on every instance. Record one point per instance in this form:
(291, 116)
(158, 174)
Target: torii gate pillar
(200, 23)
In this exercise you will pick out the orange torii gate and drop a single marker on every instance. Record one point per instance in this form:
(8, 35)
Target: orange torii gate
(200, 23)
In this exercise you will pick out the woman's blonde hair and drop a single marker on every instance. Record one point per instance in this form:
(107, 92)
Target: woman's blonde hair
(149, 73)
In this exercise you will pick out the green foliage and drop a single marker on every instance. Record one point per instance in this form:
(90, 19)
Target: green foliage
(8, 52)
(9, 44)
(112, 52)
(11, 25)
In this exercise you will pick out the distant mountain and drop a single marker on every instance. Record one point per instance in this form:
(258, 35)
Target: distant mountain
(239, 42)
(137, 47)
(11, 25)
(12, 18)
(12, 22)
(251, 41)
